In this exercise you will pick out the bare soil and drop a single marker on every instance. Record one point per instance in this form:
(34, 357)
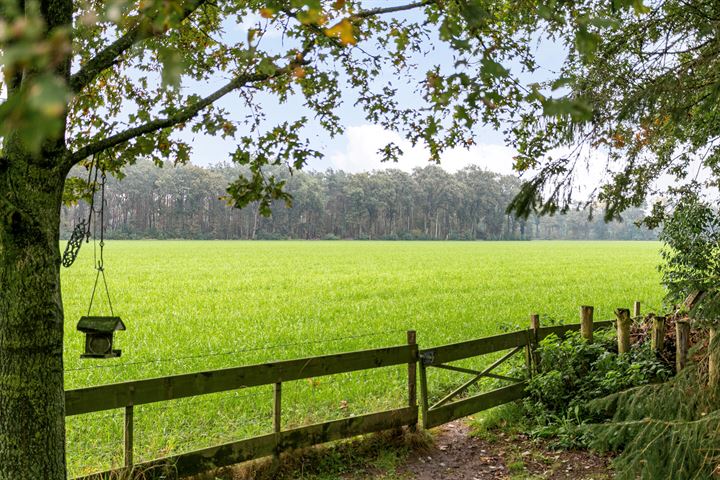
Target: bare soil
(458, 455)
(454, 454)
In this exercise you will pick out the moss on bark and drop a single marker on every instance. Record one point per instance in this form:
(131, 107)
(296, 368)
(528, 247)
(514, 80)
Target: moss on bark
(32, 422)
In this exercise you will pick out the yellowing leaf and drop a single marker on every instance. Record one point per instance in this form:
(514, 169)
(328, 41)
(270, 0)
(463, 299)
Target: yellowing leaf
(312, 16)
(298, 72)
(338, 4)
(267, 12)
(251, 34)
(343, 31)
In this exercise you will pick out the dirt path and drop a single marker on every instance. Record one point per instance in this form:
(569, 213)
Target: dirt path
(457, 455)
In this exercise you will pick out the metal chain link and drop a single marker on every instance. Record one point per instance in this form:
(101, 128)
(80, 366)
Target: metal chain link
(100, 266)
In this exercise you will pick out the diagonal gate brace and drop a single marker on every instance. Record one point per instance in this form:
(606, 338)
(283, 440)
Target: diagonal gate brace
(476, 372)
(479, 375)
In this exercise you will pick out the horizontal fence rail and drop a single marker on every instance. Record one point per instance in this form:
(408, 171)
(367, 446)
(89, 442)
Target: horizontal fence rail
(447, 409)
(207, 459)
(474, 348)
(128, 394)
(476, 403)
(119, 395)
(452, 406)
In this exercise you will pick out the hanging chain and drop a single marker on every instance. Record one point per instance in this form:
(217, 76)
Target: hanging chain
(82, 228)
(100, 264)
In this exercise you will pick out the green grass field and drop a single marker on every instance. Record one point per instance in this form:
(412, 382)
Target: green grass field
(192, 306)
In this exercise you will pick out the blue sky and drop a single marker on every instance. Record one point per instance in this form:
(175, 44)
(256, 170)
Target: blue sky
(356, 149)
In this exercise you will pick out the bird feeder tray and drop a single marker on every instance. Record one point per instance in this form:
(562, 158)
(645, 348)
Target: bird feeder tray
(99, 336)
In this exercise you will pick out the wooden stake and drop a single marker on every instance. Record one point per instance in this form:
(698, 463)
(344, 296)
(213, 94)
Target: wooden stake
(623, 329)
(412, 376)
(657, 339)
(693, 299)
(636, 309)
(713, 360)
(682, 343)
(586, 323)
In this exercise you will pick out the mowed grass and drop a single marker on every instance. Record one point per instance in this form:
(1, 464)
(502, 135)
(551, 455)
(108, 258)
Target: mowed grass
(192, 306)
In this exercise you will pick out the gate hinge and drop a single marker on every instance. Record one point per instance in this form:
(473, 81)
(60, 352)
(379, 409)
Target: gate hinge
(427, 357)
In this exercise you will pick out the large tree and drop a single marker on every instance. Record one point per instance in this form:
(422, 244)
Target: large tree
(651, 128)
(100, 83)
(640, 97)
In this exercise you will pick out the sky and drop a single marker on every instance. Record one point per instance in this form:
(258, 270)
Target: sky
(356, 149)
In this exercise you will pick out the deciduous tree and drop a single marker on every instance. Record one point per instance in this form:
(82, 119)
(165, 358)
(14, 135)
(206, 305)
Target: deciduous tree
(104, 82)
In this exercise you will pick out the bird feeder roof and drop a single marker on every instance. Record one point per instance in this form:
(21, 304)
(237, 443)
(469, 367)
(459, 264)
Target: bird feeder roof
(100, 324)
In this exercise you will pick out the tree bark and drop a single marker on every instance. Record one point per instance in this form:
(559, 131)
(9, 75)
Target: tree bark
(32, 401)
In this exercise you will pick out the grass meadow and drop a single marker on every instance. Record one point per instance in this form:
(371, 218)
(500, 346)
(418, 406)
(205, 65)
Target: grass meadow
(192, 306)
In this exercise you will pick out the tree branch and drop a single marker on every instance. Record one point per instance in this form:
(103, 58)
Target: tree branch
(400, 8)
(182, 115)
(142, 30)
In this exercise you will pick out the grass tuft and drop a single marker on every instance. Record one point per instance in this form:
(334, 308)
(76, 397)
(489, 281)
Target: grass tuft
(378, 455)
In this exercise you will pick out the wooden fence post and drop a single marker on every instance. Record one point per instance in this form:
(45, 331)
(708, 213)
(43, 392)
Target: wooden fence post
(129, 437)
(623, 329)
(277, 421)
(636, 309)
(277, 407)
(534, 339)
(423, 393)
(713, 360)
(412, 376)
(682, 343)
(586, 323)
(657, 338)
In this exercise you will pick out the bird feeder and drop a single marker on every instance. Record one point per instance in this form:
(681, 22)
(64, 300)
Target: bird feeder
(99, 336)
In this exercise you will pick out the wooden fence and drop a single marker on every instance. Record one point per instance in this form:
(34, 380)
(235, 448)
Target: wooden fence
(445, 409)
(129, 394)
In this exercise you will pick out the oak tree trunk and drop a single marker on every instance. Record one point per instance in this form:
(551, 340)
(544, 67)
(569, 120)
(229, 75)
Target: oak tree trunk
(32, 403)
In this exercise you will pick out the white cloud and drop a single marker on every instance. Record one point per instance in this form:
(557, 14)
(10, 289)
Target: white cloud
(360, 153)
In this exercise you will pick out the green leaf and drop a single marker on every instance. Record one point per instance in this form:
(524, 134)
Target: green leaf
(576, 109)
(493, 68)
(586, 43)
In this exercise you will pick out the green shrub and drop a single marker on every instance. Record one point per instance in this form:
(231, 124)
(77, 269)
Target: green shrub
(573, 372)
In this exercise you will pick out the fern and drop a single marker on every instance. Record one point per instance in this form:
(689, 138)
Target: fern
(662, 431)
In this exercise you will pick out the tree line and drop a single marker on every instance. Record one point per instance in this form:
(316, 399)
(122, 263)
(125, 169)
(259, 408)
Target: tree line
(189, 202)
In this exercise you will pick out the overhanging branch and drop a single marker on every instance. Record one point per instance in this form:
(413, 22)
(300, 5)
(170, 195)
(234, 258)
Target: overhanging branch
(182, 115)
(142, 30)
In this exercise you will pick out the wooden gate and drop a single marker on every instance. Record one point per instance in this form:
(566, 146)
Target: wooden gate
(451, 407)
